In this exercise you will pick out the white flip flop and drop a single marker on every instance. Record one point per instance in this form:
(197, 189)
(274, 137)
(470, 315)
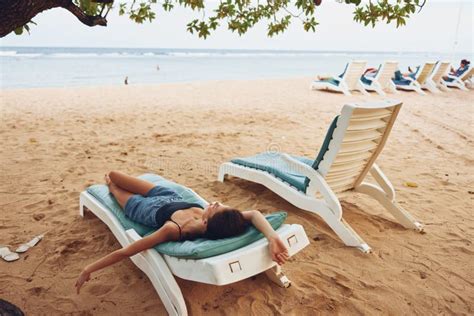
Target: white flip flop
(7, 255)
(24, 247)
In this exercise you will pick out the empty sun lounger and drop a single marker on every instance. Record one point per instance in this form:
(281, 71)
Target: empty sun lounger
(217, 262)
(416, 83)
(352, 144)
(433, 82)
(382, 80)
(346, 82)
(460, 82)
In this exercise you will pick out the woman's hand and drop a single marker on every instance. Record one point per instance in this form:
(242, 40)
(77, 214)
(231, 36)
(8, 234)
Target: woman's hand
(278, 250)
(83, 278)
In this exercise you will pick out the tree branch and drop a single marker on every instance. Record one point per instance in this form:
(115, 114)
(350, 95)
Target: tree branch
(89, 20)
(103, 1)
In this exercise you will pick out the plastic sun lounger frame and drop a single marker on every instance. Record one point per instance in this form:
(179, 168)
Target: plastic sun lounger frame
(349, 81)
(383, 79)
(421, 77)
(358, 139)
(434, 81)
(219, 270)
(460, 82)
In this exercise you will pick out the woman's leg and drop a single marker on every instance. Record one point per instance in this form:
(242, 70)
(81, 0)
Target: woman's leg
(120, 195)
(130, 184)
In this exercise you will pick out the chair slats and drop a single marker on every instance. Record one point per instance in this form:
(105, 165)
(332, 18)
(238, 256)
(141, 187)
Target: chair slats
(364, 138)
(366, 125)
(355, 147)
(347, 182)
(355, 136)
(425, 72)
(343, 168)
(341, 174)
(367, 113)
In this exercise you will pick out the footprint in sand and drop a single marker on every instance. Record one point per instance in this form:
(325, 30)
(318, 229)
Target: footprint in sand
(99, 289)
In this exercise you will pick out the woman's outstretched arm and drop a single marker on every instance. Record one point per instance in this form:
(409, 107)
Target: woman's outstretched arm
(278, 249)
(166, 233)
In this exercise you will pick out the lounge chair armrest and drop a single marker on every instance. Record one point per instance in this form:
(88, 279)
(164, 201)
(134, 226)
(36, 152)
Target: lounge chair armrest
(316, 180)
(452, 76)
(132, 235)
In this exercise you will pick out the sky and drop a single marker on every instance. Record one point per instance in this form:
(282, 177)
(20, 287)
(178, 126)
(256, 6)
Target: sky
(433, 30)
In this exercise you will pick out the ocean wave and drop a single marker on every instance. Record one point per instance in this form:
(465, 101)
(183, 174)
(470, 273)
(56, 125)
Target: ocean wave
(13, 53)
(5, 53)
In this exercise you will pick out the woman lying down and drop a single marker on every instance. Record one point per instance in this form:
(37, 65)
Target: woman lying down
(176, 220)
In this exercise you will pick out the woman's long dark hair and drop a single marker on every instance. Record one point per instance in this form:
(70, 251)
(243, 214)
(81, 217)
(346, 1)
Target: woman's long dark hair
(226, 224)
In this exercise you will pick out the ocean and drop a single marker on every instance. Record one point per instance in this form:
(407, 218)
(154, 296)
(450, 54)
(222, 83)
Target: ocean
(34, 67)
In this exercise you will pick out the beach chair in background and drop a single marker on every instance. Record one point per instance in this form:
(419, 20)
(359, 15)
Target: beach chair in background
(434, 81)
(348, 81)
(382, 80)
(352, 144)
(229, 267)
(415, 84)
(462, 82)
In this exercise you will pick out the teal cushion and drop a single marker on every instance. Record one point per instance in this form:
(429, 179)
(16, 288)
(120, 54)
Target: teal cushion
(325, 146)
(195, 249)
(330, 80)
(274, 164)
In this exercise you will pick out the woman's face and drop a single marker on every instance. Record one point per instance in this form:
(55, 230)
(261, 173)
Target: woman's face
(211, 209)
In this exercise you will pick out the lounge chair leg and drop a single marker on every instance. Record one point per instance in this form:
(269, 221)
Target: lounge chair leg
(393, 88)
(360, 87)
(431, 86)
(380, 91)
(276, 276)
(401, 215)
(345, 232)
(420, 91)
(385, 195)
(81, 207)
(463, 87)
(443, 87)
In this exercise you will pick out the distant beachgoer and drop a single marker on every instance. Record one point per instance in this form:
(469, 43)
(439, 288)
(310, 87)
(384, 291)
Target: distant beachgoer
(461, 70)
(158, 67)
(370, 72)
(176, 220)
(369, 75)
(126, 80)
(411, 74)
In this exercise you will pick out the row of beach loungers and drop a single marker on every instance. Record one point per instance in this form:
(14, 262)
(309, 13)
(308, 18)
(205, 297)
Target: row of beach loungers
(432, 76)
(349, 152)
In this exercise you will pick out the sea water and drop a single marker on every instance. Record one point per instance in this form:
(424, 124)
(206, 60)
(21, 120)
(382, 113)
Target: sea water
(32, 67)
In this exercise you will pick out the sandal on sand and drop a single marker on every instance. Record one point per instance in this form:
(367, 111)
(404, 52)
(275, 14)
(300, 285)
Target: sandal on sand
(7, 255)
(28, 245)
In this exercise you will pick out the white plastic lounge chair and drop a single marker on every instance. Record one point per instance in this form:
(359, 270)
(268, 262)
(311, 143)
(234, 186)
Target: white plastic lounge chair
(433, 82)
(346, 82)
(461, 82)
(410, 84)
(352, 144)
(218, 270)
(382, 80)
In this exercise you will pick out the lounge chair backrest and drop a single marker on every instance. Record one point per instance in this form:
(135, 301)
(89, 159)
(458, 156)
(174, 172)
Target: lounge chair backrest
(353, 73)
(385, 74)
(467, 74)
(441, 70)
(425, 72)
(354, 142)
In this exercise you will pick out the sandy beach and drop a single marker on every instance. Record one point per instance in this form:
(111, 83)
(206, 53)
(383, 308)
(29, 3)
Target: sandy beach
(56, 142)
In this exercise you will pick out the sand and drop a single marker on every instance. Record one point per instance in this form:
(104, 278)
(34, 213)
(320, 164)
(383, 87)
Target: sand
(56, 142)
